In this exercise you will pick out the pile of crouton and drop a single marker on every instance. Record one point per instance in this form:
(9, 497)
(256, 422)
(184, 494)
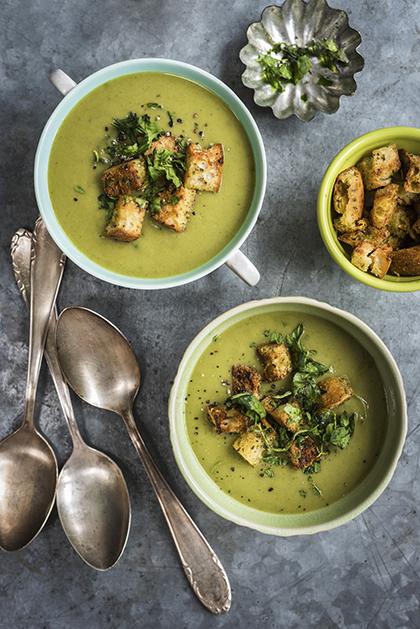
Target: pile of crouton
(124, 182)
(251, 444)
(378, 201)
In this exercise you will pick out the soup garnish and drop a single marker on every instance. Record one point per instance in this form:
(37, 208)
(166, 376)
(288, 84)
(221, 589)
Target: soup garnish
(153, 171)
(288, 414)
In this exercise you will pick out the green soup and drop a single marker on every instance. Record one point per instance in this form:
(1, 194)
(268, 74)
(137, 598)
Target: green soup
(159, 252)
(288, 490)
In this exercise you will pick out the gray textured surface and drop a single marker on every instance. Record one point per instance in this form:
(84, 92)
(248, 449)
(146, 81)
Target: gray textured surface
(363, 574)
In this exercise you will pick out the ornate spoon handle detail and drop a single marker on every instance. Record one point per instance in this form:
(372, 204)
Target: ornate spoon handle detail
(201, 565)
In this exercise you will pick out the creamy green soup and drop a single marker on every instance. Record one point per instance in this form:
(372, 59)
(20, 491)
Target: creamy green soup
(289, 490)
(159, 252)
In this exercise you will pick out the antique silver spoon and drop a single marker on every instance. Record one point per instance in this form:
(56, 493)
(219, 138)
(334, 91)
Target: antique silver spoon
(92, 497)
(102, 369)
(28, 467)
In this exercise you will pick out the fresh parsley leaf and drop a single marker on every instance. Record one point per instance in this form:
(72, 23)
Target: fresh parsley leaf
(250, 404)
(165, 163)
(106, 203)
(79, 189)
(153, 106)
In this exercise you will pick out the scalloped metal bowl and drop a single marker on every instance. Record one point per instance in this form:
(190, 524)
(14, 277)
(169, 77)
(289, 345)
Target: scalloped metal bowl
(298, 22)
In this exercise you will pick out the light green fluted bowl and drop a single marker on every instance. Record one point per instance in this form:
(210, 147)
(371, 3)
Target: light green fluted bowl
(337, 513)
(168, 66)
(404, 137)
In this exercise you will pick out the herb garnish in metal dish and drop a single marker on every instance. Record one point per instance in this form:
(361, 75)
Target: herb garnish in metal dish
(300, 58)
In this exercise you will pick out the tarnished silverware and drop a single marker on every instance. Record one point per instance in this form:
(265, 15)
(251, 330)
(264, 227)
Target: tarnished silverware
(28, 467)
(102, 369)
(92, 497)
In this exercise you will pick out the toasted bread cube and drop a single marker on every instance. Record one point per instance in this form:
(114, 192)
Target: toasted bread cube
(361, 255)
(175, 215)
(348, 198)
(334, 391)
(399, 226)
(415, 230)
(381, 261)
(276, 359)
(204, 168)
(378, 168)
(411, 165)
(126, 221)
(406, 198)
(167, 142)
(284, 414)
(384, 205)
(406, 262)
(226, 419)
(251, 446)
(124, 178)
(304, 453)
(245, 379)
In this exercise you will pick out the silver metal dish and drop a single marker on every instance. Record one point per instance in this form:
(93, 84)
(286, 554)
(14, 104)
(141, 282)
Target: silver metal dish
(298, 22)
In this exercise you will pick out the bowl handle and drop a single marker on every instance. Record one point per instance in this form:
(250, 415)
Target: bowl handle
(61, 81)
(244, 268)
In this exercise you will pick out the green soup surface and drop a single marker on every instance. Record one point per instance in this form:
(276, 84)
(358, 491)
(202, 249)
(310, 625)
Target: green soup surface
(289, 490)
(159, 252)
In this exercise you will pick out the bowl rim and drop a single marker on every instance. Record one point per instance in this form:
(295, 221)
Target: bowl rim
(181, 69)
(211, 502)
(324, 211)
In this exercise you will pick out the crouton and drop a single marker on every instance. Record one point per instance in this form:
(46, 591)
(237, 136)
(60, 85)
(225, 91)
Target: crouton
(381, 261)
(414, 230)
(334, 391)
(357, 234)
(399, 226)
(384, 205)
(378, 168)
(204, 168)
(226, 419)
(411, 166)
(124, 178)
(361, 255)
(406, 262)
(404, 197)
(288, 415)
(348, 198)
(245, 379)
(175, 209)
(303, 453)
(251, 446)
(276, 359)
(126, 221)
(167, 142)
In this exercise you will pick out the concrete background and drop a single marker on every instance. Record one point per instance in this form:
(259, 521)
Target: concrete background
(364, 574)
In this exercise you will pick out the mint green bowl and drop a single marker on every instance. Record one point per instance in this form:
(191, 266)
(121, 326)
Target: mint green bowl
(109, 73)
(337, 513)
(403, 137)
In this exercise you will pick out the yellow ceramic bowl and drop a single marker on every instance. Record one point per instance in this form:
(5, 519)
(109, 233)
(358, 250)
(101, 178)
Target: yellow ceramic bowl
(404, 137)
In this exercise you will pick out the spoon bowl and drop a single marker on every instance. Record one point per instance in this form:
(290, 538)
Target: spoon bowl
(104, 371)
(94, 507)
(28, 474)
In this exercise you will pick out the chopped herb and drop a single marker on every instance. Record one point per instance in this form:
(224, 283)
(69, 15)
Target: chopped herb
(250, 404)
(170, 119)
(288, 63)
(167, 164)
(304, 97)
(106, 203)
(315, 488)
(303, 493)
(324, 81)
(153, 106)
(79, 189)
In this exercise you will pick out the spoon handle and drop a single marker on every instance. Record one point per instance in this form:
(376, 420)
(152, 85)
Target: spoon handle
(21, 247)
(201, 565)
(47, 266)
